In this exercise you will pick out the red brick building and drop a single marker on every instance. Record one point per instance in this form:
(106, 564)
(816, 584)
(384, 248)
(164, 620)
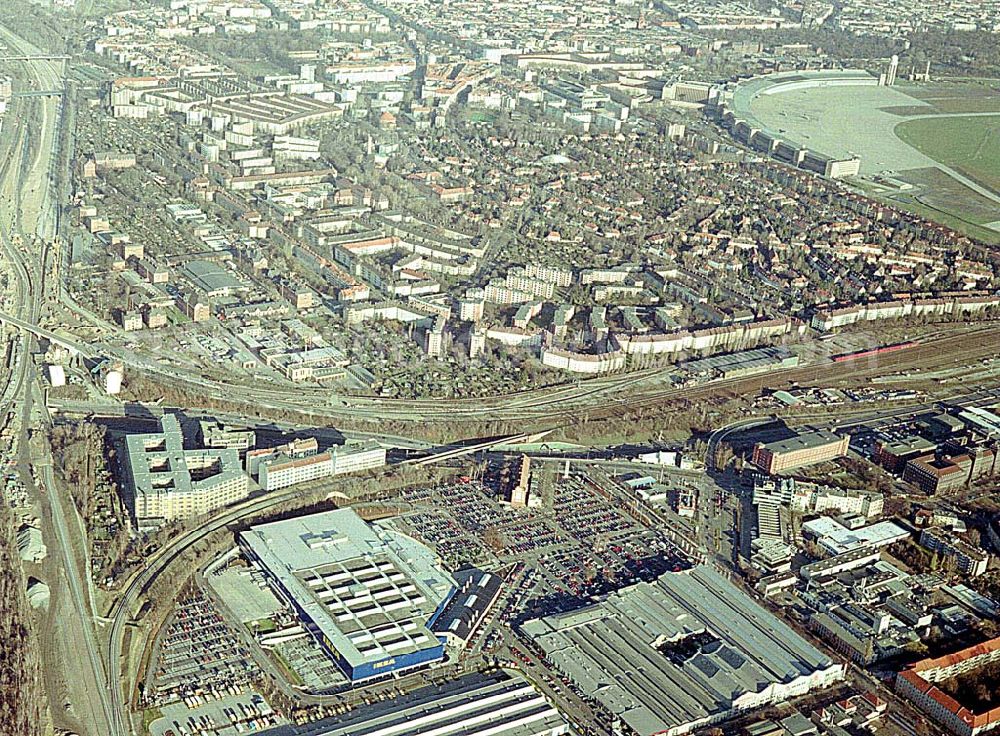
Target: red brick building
(799, 451)
(918, 685)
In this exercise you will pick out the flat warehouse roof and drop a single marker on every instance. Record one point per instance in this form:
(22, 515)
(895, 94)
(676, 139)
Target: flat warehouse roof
(502, 705)
(805, 441)
(370, 591)
(676, 651)
(838, 538)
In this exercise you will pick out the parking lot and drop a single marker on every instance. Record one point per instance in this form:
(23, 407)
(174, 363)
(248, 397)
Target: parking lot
(467, 526)
(587, 540)
(226, 717)
(446, 535)
(197, 658)
(585, 545)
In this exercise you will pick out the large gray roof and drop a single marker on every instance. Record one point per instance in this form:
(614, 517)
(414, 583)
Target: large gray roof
(158, 462)
(679, 650)
(499, 705)
(370, 591)
(803, 441)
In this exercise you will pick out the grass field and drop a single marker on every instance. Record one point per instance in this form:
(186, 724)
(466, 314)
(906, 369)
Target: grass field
(962, 225)
(970, 145)
(940, 191)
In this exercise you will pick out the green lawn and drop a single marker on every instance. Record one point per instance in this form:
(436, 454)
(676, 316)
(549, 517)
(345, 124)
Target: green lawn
(263, 626)
(148, 716)
(290, 674)
(970, 145)
(990, 237)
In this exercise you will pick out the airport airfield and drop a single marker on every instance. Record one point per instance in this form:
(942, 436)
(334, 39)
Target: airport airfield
(933, 147)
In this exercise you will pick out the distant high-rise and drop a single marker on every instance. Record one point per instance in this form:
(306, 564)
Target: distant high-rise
(890, 75)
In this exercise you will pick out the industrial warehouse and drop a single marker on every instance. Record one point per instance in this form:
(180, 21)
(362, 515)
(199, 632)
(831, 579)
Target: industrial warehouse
(369, 596)
(499, 705)
(683, 652)
(799, 451)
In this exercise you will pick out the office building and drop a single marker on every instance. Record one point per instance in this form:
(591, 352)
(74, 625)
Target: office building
(285, 471)
(223, 436)
(933, 474)
(366, 455)
(846, 634)
(943, 472)
(297, 448)
(771, 556)
(799, 451)
(302, 464)
(686, 651)
(893, 455)
(165, 482)
(518, 483)
(810, 498)
(367, 594)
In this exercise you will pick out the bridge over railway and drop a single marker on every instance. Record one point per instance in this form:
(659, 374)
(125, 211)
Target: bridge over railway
(73, 346)
(36, 57)
(40, 93)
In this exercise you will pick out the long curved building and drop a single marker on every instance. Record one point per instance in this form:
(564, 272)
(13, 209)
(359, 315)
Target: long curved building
(737, 112)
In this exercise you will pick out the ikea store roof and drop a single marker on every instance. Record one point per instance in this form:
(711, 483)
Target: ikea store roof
(676, 651)
(369, 590)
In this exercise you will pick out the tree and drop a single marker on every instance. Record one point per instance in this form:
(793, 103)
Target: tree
(494, 539)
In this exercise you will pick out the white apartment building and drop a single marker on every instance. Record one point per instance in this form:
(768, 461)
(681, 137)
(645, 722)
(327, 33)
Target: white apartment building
(558, 276)
(167, 482)
(287, 471)
(518, 280)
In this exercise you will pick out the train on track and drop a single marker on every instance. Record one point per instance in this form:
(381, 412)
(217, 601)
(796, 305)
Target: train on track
(844, 357)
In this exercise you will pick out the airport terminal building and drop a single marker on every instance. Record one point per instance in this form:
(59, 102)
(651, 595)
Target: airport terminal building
(368, 595)
(736, 116)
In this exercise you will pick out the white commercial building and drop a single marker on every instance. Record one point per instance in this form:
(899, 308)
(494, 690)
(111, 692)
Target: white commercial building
(835, 538)
(367, 594)
(287, 467)
(286, 471)
(167, 482)
(504, 704)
